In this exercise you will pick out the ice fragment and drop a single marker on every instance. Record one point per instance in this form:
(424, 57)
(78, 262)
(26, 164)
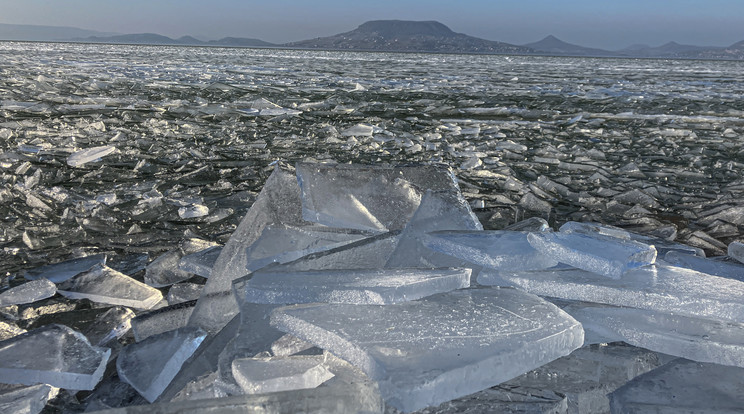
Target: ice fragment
(54, 355)
(59, 272)
(105, 285)
(28, 292)
(264, 375)
(26, 400)
(442, 347)
(90, 154)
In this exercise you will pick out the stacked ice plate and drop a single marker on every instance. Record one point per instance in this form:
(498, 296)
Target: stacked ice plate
(353, 288)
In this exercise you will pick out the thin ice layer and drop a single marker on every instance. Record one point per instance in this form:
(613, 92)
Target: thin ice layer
(201, 262)
(357, 286)
(607, 256)
(587, 375)
(105, 285)
(87, 155)
(442, 347)
(377, 198)
(500, 250)
(162, 320)
(697, 339)
(54, 355)
(701, 264)
(264, 375)
(682, 386)
(149, 366)
(59, 272)
(437, 211)
(659, 288)
(28, 292)
(25, 400)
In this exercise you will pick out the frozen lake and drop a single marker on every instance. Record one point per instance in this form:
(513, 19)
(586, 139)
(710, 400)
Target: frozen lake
(134, 151)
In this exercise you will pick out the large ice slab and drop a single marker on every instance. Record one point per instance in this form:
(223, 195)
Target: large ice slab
(697, 339)
(28, 292)
(149, 366)
(608, 256)
(201, 262)
(105, 285)
(500, 250)
(376, 198)
(264, 375)
(54, 355)
(682, 386)
(59, 272)
(358, 286)
(441, 347)
(162, 320)
(712, 267)
(587, 375)
(659, 287)
(26, 400)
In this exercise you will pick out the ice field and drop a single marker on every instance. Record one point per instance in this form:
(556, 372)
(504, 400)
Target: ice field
(227, 230)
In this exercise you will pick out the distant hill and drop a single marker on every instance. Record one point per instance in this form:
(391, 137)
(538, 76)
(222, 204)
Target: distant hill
(554, 46)
(240, 42)
(668, 50)
(156, 39)
(36, 33)
(408, 36)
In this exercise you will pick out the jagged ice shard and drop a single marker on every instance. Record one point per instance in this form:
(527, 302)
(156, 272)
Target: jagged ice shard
(472, 339)
(59, 272)
(105, 285)
(608, 256)
(353, 286)
(28, 292)
(658, 288)
(54, 355)
(149, 366)
(264, 375)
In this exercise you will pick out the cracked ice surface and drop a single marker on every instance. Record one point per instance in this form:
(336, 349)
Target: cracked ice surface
(474, 339)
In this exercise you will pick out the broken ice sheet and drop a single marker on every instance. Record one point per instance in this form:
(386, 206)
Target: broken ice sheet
(166, 269)
(496, 249)
(659, 288)
(149, 366)
(201, 262)
(263, 375)
(25, 400)
(28, 292)
(289, 345)
(105, 285)
(682, 386)
(162, 320)
(54, 355)
(59, 272)
(736, 251)
(441, 347)
(87, 155)
(358, 286)
(367, 197)
(607, 256)
(587, 375)
(184, 292)
(701, 264)
(698, 339)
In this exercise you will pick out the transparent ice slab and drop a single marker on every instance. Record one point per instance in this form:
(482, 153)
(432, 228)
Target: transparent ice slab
(28, 292)
(59, 272)
(110, 326)
(149, 366)
(367, 197)
(437, 211)
(54, 355)
(289, 345)
(355, 286)
(682, 386)
(25, 400)
(697, 339)
(184, 292)
(201, 262)
(495, 249)
(736, 251)
(659, 288)
(441, 347)
(105, 285)
(701, 264)
(587, 375)
(264, 375)
(87, 155)
(165, 270)
(608, 256)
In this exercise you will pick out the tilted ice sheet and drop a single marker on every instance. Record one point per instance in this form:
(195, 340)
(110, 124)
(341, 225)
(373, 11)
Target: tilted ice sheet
(26, 400)
(87, 155)
(375, 198)
(105, 285)
(28, 292)
(54, 355)
(264, 375)
(705, 265)
(59, 272)
(659, 288)
(149, 366)
(682, 386)
(499, 250)
(356, 286)
(441, 347)
(697, 339)
(608, 256)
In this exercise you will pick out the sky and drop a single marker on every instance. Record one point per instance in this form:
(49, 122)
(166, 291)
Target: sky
(609, 24)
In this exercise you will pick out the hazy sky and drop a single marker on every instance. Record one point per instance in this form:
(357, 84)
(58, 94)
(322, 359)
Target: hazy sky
(610, 24)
